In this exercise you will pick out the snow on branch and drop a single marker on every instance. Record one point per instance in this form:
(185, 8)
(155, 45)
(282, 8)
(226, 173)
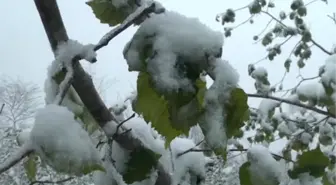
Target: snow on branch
(144, 9)
(82, 82)
(24, 151)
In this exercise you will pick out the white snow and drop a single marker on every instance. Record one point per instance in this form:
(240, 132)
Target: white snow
(190, 43)
(64, 54)
(328, 75)
(61, 142)
(226, 78)
(264, 168)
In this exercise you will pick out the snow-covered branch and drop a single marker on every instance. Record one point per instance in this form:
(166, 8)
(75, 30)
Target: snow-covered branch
(293, 103)
(82, 82)
(24, 151)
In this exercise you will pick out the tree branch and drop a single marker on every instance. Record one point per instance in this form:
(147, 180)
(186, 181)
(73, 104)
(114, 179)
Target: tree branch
(24, 151)
(82, 82)
(293, 103)
(52, 182)
(2, 107)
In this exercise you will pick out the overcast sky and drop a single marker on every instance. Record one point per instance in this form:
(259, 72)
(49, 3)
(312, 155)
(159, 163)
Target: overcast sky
(25, 50)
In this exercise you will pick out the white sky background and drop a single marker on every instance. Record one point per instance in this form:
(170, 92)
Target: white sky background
(25, 50)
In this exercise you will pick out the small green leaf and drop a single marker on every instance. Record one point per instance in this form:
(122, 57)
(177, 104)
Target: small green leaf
(94, 167)
(140, 164)
(237, 111)
(107, 13)
(30, 167)
(313, 161)
(244, 174)
(154, 108)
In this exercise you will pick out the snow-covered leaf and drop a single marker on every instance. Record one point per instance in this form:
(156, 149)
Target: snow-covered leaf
(314, 162)
(140, 165)
(31, 167)
(62, 143)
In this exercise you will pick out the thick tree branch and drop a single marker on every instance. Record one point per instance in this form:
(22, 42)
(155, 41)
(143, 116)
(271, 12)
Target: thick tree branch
(293, 103)
(82, 82)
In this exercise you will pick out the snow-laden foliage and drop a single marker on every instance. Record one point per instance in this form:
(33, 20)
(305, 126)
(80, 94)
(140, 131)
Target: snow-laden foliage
(62, 143)
(173, 101)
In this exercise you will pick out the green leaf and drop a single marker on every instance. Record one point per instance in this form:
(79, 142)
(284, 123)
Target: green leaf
(30, 167)
(140, 164)
(154, 108)
(237, 112)
(107, 13)
(90, 123)
(244, 174)
(313, 161)
(94, 167)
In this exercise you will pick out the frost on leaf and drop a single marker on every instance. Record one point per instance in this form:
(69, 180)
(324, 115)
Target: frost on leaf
(62, 143)
(313, 162)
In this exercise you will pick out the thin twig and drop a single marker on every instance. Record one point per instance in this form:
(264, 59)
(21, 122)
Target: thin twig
(333, 18)
(312, 40)
(190, 149)
(52, 182)
(120, 124)
(276, 156)
(144, 10)
(2, 107)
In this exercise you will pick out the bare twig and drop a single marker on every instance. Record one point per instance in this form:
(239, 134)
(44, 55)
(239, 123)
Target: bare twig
(333, 17)
(193, 149)
(2, 107)
(120, 124)
(52, 182)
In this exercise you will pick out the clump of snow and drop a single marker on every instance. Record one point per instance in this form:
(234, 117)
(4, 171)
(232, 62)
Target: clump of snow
(216, 97)
(193, 162)
(190, 43)
(264, 169)
(329, 70)
(62, 143)
(313, 91)
(64, 55)
(23, 137)
(261, 82)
